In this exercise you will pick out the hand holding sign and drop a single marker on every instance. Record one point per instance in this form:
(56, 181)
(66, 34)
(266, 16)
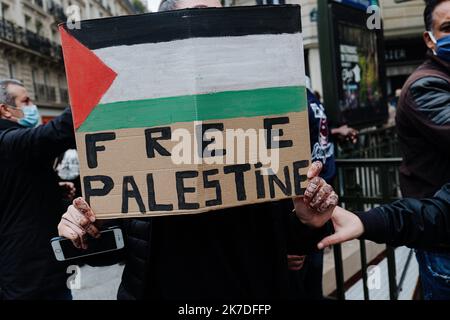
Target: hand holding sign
(316, 207)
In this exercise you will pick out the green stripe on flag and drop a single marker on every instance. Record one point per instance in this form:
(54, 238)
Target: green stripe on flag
(213, 106)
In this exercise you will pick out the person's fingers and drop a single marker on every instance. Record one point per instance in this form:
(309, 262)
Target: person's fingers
(313, 186)
(81, 205)
(330, 240)
(295, 263)
(67, 185)
(77, 243)
(70, 231)
(76, 228)
(314, 170)
(84, 243)
(296, 259)
(80, 221)
(93, 231)
(64, 230)
(72, 189)
(330, 203)
(321, 196)
(78, 218)
(296, 268)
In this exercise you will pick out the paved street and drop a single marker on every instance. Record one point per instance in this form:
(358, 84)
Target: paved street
(98, 283)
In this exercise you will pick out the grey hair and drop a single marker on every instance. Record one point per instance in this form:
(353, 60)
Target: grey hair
(167, 5)
(5, 96)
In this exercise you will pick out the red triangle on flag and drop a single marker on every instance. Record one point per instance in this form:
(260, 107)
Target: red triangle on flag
(88, 77)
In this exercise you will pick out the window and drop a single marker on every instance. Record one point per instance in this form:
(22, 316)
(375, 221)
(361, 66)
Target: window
(27, 22)
(12, 68)
(46, 78)
(4, 10)
(34, 75)
(39, 28)
(54, 35)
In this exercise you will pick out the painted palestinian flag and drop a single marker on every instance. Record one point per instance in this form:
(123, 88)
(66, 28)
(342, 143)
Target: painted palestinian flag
(241, 67)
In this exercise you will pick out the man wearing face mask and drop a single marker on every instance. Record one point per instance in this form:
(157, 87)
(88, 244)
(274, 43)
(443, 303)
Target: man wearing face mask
(30, 197)
(423, 122)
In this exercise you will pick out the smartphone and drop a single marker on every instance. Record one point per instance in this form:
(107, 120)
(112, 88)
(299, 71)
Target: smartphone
(110, 240)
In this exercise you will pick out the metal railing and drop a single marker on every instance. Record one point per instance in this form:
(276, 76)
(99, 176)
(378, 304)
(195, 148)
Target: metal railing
(11, 32)
(379, 143)
(57, 11)
(363, 184)
(45, 93)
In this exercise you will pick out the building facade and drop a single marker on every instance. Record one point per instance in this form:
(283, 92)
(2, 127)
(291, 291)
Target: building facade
(403, 29)
(30, 49)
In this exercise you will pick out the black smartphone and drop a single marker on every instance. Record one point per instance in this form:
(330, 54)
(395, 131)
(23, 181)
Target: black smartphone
(110, 240)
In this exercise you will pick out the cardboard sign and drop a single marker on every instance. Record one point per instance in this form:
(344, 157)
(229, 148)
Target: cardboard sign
(189, 111)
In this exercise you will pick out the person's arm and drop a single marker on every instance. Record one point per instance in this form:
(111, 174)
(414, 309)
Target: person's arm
(408, 222)
(345, 133)
(46, 141)
(429, 112)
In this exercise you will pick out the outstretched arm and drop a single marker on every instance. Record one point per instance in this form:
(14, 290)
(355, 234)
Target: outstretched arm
(408, 222)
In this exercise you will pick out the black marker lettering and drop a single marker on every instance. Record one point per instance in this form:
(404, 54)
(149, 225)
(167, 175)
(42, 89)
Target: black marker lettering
(212, 184)
(92, 148)
(238, 171)
(285, 188)
(108, 185)
(298, 178)
(201, 130)
(152, 205)
(153, 144)
(182, 190)
(131, 193)
(268, 126)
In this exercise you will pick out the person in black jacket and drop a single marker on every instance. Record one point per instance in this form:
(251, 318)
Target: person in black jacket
(30, 197)
(423, 224)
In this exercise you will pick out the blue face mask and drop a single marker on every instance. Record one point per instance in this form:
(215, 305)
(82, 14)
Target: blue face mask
(442, 47)
(31, 117)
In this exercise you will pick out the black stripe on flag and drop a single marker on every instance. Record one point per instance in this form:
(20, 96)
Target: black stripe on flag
(188, 23)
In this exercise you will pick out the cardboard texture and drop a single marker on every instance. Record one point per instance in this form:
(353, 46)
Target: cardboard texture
(189, 111)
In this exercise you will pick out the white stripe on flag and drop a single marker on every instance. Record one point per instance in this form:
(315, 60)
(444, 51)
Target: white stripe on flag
(204, 65)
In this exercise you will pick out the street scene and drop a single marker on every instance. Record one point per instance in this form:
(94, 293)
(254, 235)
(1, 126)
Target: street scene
(217, 150)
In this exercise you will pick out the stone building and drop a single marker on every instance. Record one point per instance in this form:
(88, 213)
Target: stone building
(30, 46)
(403, 28)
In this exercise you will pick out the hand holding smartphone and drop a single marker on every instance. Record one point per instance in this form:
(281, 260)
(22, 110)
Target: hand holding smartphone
(110, 240)
(80, 234)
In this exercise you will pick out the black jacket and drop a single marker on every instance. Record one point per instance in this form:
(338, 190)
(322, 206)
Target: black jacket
(423, 124)
(30, 206)
(420, 224)
(237, 253)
